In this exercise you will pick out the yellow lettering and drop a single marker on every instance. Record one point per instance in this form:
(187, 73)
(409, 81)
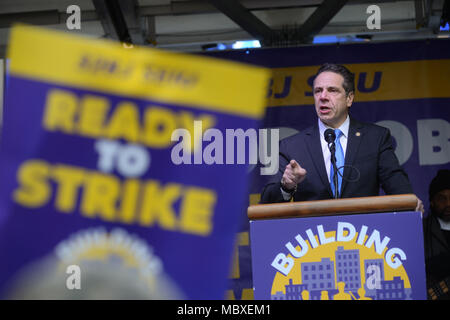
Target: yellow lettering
(242, 239)
(92, 116)
(159, 125)
(254, 198)
(93, 111)
(235, 272)
(100, 196)
(69, 180)
(196, 211)
(229, 295)
(147, 203)
(34, 190)
(124, 122)
(60, 111)
(128, 205)
(157, 204)
(247, 294)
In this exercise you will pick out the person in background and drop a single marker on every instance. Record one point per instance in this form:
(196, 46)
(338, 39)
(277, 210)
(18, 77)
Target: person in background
(437, 237)
(365, 157)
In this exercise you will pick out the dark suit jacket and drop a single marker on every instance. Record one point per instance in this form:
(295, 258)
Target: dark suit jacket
(437, 252)
(370, 162)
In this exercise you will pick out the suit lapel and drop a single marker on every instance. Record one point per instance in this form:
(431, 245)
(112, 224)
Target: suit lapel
(315, 150)
(355, 134)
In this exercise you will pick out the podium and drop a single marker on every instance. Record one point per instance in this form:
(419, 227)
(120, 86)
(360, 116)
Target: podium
(368, 248)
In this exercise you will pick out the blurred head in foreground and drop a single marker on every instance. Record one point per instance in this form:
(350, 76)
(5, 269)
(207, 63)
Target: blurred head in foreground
(96, 264)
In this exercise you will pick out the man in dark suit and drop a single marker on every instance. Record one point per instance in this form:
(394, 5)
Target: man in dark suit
(364, 152)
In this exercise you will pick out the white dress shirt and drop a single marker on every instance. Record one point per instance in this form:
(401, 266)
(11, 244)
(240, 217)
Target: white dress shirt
(343, 140)
(325, 151)
(445, 225)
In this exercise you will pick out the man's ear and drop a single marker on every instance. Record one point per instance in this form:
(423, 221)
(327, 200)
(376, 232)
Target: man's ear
(350, 97)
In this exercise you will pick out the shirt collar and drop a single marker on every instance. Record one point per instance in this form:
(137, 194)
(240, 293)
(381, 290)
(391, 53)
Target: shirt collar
(445, 225)
(344, 127)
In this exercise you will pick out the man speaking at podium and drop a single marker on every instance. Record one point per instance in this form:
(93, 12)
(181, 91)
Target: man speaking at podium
(339, 157)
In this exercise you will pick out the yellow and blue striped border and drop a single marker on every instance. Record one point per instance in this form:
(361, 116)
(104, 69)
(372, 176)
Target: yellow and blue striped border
(418, 79)
(55, 57)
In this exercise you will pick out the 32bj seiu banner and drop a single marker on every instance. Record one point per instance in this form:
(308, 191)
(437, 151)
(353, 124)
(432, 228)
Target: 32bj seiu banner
(90, 181)
(376, 256)
(403, 86)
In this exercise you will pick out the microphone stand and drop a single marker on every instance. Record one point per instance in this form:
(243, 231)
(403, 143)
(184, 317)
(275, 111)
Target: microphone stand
(332, 148)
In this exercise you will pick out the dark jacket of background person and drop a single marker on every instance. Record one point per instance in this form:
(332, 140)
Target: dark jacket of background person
(437, 241)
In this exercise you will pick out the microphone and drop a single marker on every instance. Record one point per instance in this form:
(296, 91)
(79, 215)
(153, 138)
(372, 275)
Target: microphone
(330, 136)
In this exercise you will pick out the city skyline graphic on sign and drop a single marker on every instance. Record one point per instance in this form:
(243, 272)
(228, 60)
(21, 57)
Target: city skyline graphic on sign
(342, 274)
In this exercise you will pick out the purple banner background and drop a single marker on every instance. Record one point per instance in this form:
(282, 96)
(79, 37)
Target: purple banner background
(298, 117)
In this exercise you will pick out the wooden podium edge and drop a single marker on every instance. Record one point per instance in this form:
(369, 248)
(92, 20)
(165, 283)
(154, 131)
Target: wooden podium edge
(403, 202)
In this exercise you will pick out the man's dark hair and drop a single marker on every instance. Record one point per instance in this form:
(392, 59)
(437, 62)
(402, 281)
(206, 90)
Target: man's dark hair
(349, 78)
(440, 182)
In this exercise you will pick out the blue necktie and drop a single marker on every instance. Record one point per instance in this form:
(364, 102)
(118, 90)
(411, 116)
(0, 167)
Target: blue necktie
(339, 162)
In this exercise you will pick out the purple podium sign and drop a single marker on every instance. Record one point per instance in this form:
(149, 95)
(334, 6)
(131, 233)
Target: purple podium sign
(377, 256)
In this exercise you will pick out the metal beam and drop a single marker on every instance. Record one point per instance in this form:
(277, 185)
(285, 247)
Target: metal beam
(204, 6)
(445, 18)
(133, 22)
(34, 18)
(150, 29)
(245, 19)
(422, 11)
(319, 19)
(105, 18)
(120, 20)
(112, 19)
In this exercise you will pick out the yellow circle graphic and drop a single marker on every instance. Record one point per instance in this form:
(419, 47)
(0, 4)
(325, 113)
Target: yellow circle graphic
(341, 271)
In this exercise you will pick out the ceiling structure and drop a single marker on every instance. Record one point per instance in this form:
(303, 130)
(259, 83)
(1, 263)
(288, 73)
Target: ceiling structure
(194, 25)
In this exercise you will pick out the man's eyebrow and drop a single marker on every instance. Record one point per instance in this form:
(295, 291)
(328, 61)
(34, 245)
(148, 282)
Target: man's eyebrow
(330, 87)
